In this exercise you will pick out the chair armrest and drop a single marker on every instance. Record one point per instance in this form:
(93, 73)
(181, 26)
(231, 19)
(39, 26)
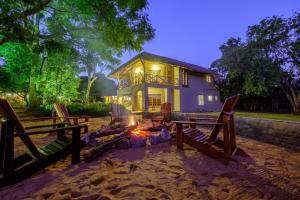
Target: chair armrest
(200, 118)
(38, 119)
(199, 123)
(81, 116)
(50, 130)
(45, 125)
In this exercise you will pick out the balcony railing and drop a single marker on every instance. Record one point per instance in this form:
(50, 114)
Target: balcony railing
(165, 80)
(149, 78)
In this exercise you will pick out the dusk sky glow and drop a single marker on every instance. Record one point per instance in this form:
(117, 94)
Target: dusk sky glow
(193, 30)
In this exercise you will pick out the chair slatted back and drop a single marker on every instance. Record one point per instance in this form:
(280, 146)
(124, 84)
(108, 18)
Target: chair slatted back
(165, 111)
(228, 106)
(118, 111)
(62, 112)
(7, 111)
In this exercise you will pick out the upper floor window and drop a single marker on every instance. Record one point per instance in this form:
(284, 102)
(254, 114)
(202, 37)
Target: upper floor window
(208, 78)
(201, 100)
(185, 78)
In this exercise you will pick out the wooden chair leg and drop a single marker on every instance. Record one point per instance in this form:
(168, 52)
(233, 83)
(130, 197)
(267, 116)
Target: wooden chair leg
(75, 145)
(179, 136)
(86, 129)
(193, 125)
(61, 133)
(226, 137)
(8, 165)
(232, 134)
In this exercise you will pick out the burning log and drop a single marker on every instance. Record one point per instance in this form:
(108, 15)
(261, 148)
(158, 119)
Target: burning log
(104, 147)
(108, 132)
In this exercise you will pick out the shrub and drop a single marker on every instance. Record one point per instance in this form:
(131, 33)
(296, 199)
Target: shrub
(92, 109)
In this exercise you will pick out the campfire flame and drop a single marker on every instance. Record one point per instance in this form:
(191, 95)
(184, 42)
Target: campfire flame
(138, 132)
(131, 121)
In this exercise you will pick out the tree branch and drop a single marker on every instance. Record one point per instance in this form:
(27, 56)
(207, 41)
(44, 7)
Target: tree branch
(36, 9)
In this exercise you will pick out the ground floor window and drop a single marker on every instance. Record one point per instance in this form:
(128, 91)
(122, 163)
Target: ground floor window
(210, 98)
(201, 100)
(154, 100)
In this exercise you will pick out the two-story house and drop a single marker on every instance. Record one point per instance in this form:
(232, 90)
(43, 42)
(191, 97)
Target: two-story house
(147, 80)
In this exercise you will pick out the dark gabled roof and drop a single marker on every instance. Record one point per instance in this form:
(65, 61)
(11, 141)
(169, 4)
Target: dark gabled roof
(162, 59)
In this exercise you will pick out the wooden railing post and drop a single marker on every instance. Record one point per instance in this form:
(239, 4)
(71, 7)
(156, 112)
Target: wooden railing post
(8, 154)
(75, 146)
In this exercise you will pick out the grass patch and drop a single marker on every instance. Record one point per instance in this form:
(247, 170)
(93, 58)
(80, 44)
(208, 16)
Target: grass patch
(288, 117)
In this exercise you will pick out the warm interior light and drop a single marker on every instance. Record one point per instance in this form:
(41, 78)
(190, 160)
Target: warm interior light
(155, 67)
(138, 70)
(131, 120)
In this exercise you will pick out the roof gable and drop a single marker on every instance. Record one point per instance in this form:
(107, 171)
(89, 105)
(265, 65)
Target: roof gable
(162, 59)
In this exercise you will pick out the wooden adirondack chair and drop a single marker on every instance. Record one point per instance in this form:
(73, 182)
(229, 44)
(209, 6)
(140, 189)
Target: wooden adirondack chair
(63, 114)
(211, 144)
(13, 169)
(119, 113)
(165, 111)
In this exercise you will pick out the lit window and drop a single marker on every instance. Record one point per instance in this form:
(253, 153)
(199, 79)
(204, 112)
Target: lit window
(201, 100)
(154, 100)
(208, 78)
(185, 78)
(210, 98)
(216, 98)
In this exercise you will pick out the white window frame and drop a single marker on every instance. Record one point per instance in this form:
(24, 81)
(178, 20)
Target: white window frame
(216, 98)
(208, 78)
(201, 100)
(210, 98)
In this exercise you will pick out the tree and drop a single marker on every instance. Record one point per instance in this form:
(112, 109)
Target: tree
(279, 39)
(245, 70)
(101, 29)
(268, 58)
(16, 68)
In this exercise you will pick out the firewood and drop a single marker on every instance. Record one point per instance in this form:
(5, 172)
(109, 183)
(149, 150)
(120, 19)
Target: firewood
(110, 132)
(95, 152)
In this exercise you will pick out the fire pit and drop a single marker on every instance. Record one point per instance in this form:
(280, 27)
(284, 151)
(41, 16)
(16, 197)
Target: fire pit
(138, 137)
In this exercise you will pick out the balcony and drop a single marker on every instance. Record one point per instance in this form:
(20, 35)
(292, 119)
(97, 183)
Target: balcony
(149, 78)
(158, 79)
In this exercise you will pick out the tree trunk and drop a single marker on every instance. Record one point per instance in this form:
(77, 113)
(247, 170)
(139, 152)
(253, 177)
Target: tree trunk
(291, 96)
(91, 81)
(33, 99)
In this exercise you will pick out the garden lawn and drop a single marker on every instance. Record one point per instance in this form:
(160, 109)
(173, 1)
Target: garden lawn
(288, 117)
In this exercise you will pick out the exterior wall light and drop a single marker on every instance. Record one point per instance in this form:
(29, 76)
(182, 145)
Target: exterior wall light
(138, 70)
(155, 68)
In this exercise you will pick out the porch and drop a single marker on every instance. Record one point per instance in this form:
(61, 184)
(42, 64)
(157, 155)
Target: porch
(150, 99)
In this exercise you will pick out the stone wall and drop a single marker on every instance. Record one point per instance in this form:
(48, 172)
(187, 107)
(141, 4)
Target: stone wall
(282, 133)
(278, 132)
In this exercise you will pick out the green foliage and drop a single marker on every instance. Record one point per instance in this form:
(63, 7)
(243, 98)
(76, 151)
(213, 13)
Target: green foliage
(17, 63)
(268, 58)
(92, 109)
(55, 40)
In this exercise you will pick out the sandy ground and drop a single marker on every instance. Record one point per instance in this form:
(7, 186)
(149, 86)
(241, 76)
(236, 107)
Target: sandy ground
(163, 172)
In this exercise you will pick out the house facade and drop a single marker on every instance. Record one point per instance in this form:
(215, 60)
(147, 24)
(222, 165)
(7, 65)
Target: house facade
(147, 80)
